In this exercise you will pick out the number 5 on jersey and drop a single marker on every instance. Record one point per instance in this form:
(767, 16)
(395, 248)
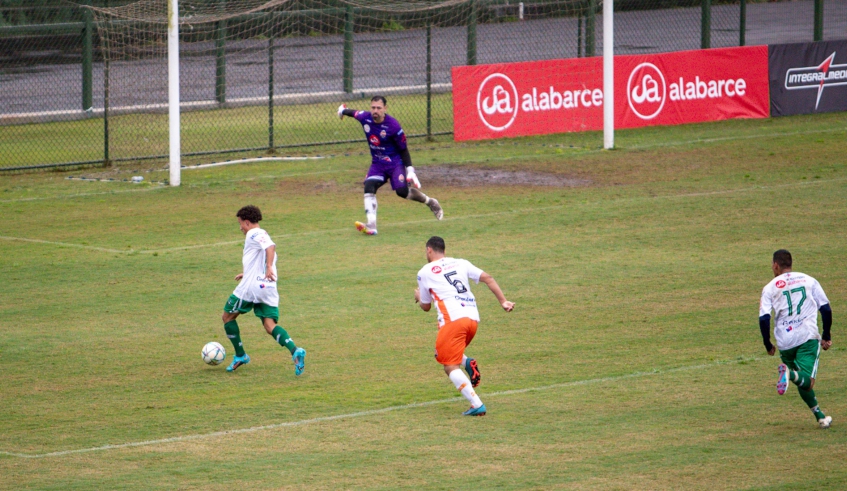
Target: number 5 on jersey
(460, 287)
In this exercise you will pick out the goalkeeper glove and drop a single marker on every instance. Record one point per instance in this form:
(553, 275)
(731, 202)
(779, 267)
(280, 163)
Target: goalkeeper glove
(341, 109)
(412, 178)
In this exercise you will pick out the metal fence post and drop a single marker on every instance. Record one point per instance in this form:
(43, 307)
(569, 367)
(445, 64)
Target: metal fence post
(818, 20)
(590, 25)
(429, 81)
(348, 49)
(742, 24)
(271, 91)
(220, 62)
(472, 33)
(87, 65)
(579, 40)
(106, 75)
(706, 24)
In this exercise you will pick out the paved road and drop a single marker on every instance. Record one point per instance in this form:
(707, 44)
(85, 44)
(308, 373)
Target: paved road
(310, 65)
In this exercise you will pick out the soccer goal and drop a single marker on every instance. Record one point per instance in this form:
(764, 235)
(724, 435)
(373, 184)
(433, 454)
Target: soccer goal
(202, 78)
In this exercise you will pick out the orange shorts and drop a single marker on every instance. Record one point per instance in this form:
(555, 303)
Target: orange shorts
(453, 338)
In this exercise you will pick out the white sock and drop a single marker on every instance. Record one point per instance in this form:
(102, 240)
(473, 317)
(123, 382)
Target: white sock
(370, 210)
(463, 385)
(464, 360)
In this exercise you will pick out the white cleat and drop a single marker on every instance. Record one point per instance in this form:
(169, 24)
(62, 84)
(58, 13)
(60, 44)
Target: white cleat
(825, 422)
(436, 209)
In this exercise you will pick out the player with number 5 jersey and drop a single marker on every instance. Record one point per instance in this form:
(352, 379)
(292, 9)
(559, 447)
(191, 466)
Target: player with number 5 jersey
(445, 282)
(795, 300)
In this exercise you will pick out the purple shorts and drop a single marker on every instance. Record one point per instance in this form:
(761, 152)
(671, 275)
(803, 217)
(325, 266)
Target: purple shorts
(393, 171)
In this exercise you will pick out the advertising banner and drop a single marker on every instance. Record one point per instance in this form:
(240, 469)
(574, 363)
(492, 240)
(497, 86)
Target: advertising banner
(529, 98)
(808, 78)
(691, 86)
(555, 96)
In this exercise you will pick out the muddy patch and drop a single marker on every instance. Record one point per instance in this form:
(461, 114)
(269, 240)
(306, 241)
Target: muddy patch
(464, 176)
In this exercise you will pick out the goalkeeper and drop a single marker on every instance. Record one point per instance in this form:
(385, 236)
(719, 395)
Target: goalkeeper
(390, 161)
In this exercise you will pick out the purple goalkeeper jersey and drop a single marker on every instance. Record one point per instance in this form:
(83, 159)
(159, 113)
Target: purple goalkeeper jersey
(386, 140)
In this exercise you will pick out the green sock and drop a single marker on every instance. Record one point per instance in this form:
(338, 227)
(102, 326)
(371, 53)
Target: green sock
(234, 336)
(811, 401)
(283, 339)
(801, 380)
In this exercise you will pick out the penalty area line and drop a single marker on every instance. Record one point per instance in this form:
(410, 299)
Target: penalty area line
(372, 412)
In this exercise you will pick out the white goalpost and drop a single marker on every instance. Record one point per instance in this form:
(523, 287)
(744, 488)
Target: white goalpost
(173, 91)
(126, 42)
(608, 76)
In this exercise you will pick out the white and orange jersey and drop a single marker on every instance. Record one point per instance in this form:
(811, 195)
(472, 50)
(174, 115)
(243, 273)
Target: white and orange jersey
(444, 282)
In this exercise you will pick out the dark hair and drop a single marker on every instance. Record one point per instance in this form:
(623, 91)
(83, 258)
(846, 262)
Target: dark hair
(436, 243)
(782, 258)
(379, 98)
(250, 213)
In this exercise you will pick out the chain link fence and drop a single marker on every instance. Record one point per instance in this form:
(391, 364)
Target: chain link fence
(84, 85)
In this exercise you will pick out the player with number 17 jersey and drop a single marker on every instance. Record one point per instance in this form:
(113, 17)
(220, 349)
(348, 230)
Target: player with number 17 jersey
(445, 282)
(795, 299)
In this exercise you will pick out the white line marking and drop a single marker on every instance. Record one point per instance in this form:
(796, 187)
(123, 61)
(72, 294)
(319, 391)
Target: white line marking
(417, 222)
(82, 195)
(63, 244)
(245, 161)
(188, 185)
(372, 412)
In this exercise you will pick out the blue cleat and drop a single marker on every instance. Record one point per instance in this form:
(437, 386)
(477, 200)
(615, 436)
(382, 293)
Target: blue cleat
(475, 411)
(237, 362)
(473, 371)
(299, 358)
(782, 382)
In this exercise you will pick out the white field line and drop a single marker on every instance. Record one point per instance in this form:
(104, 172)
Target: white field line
(634, 147)
(418, 222)
(190, 185)
(372, 412)
(82, 195)
(730, 138)
(245, 161)
(63, 244)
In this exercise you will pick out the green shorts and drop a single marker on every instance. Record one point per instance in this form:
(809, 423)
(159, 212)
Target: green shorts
(235, 304)
(803, 358)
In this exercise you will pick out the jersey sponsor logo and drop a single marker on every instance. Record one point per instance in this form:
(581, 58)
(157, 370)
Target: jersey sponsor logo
(374, 140)
(497, 102)
(367, 128)
(436, 269)
(780, 284)
(816, 77)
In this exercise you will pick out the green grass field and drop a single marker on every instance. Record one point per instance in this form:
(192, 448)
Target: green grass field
(632, 361)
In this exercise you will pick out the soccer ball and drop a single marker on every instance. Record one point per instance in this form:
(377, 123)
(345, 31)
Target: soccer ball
(213, 353)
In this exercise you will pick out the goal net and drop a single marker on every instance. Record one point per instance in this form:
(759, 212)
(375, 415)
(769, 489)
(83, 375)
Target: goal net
(260, 76)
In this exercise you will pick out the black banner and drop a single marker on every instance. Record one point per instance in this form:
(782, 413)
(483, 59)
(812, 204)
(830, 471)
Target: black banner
(808, 78)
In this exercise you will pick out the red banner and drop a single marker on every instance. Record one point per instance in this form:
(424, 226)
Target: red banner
(555, 96)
